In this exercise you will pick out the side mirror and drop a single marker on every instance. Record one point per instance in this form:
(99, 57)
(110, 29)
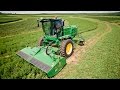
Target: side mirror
(38, 22)
(63, 22)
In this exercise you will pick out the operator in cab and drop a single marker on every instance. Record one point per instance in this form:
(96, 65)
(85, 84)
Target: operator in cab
(58, 26)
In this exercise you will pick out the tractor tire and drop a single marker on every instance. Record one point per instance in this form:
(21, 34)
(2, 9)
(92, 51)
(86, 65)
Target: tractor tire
(66, 48)
(40, 42)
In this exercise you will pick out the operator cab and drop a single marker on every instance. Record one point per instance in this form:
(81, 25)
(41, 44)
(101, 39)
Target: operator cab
(52, 26)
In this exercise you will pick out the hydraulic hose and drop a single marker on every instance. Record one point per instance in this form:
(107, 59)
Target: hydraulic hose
(48, 46)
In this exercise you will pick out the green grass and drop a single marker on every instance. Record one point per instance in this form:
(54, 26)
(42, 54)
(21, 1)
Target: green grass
(7, 20)
(13, 66)
(26, 25)
(101, 61)
(83, 25)
(16, 36)
(107, 18)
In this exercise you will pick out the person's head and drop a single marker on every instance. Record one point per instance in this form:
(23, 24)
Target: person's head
(57, 25)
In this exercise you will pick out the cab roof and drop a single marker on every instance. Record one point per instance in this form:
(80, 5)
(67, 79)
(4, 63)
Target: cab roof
(47, 20)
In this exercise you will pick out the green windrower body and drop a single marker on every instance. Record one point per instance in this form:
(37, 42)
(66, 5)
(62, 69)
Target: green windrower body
(47, 56)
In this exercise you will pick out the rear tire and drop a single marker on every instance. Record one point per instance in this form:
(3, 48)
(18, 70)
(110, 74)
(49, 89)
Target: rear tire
(66, 48)
(40, 42)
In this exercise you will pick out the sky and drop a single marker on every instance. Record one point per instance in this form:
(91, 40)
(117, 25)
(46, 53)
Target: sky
(38, 12)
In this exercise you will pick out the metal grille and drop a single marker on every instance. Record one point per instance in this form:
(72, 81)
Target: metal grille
(40, 65)
(34, 61)
(23, 55)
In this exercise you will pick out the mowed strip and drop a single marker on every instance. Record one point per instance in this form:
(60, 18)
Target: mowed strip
(80, 51)
(23, 33)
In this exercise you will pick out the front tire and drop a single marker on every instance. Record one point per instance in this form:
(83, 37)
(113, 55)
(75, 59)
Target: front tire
(66, 48)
